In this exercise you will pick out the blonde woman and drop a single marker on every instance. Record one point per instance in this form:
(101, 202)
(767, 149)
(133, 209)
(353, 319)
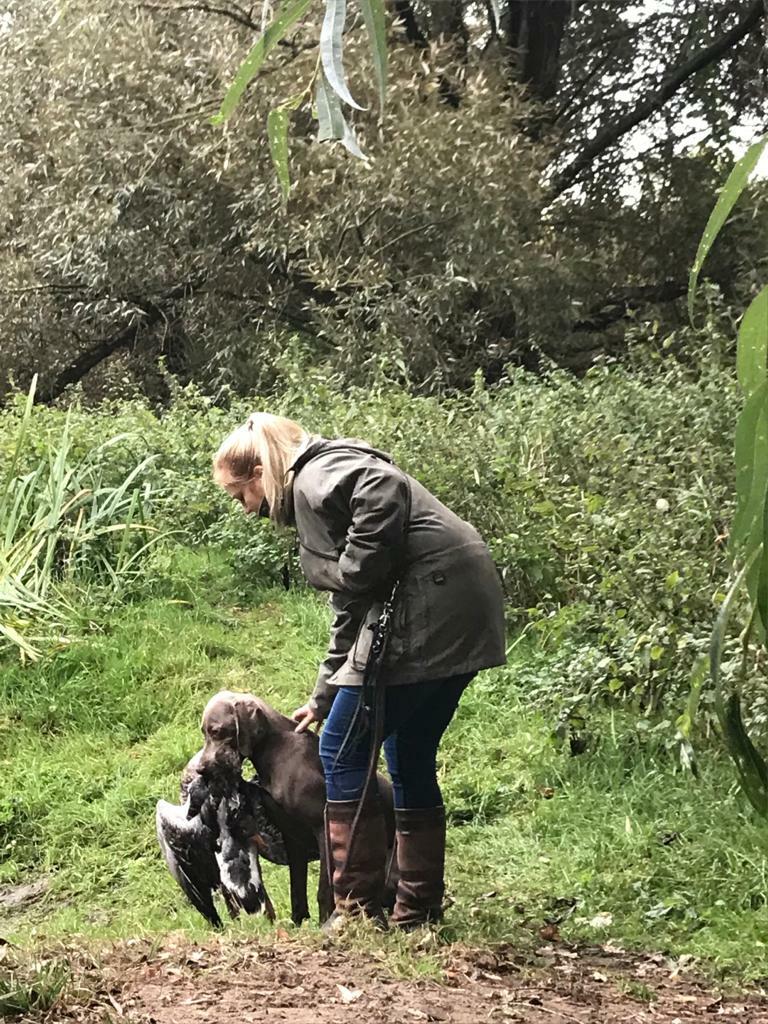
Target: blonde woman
(361, 524)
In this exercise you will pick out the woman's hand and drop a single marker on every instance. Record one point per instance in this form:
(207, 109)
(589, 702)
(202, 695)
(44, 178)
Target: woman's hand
(305, 716)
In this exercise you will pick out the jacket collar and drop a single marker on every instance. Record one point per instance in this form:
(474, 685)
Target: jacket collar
(313, 447)
(320, 446)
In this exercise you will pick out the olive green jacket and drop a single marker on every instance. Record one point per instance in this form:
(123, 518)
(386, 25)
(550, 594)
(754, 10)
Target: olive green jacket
(362, 523)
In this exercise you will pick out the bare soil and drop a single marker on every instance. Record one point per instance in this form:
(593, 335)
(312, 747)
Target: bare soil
(287, 981)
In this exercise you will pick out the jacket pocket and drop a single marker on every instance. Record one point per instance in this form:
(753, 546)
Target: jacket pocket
(320, 571)
(410, 631)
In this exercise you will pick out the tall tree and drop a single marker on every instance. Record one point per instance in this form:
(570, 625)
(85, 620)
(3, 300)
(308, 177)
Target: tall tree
(131, 229)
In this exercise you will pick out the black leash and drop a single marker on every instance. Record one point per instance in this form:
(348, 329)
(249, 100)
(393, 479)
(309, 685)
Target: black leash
(372, 701)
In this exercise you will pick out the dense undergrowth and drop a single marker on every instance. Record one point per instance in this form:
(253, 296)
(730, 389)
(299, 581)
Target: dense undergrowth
(605, 502)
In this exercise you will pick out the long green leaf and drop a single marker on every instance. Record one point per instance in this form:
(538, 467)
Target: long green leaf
(761, 588)
(750, 766)
(19, 641)
(751, 456)
(331, 45)
(284, 18)
(752, 769)
(10, 471)
(730, 192)
(717, 638)
(375, 23)
(277, 132)
(752, 345)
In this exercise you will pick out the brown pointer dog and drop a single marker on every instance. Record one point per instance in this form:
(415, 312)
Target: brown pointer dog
(238, 726)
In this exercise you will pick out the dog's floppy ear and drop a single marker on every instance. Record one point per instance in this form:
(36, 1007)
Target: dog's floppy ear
(250, 722)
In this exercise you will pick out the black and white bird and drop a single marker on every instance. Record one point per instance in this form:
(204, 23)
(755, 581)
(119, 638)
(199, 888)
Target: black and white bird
(213, 840)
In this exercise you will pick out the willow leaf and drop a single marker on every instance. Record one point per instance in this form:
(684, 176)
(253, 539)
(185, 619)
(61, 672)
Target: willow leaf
(284, 18)
(332, 125)
(330, 120)
(730, 192)
(349, 142)
(375, 23)
(752, 345)
(331, 46)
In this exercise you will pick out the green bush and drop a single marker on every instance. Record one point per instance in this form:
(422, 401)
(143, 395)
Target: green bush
(603, 499)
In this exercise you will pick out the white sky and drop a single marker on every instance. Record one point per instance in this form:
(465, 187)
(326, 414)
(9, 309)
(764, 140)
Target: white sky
(640, 140)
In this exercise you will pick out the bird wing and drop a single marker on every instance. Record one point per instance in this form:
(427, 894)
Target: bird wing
(238, 859)
(267, 837)
(189, 849)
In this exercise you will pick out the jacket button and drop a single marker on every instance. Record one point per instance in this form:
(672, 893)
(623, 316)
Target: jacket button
(439, 578)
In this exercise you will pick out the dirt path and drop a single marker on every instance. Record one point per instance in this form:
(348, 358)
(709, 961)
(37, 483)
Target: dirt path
(250, 983)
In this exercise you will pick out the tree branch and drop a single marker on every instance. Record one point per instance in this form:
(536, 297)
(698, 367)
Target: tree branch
(617, 307)
(238, 16)
(101, 350)
(649, 105)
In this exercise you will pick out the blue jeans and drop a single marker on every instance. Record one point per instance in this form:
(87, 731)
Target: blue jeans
(415, 717)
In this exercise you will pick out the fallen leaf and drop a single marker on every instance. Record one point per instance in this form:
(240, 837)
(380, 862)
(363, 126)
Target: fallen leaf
(599, 976)
(115, 1004)
(601, 920)
(348, 995)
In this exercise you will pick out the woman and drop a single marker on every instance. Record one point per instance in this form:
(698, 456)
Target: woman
(362, 523)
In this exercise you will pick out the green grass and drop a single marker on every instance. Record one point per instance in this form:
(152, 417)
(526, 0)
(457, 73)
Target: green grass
(92, 736)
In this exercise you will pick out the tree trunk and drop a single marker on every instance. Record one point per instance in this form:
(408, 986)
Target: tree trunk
(534, 29)
(446, 19)
(405, 14)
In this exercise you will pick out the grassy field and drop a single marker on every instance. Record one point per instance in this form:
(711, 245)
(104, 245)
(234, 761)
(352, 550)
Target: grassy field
(617, 843)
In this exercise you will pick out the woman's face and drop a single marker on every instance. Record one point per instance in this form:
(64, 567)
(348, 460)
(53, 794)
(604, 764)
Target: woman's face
(250, 494)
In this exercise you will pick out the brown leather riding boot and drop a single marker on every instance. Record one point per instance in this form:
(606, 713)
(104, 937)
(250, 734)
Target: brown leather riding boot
(358, 880)
(421, 861)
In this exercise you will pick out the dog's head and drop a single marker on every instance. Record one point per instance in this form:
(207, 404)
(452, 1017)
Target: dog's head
(231, 726)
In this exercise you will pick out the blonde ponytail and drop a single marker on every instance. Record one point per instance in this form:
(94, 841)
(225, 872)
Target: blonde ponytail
(271, 442)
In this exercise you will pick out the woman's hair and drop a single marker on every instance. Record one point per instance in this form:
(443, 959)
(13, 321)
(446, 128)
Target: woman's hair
(263, 440)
